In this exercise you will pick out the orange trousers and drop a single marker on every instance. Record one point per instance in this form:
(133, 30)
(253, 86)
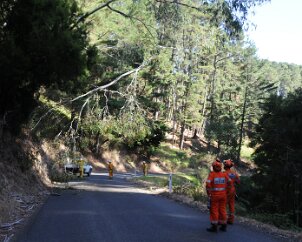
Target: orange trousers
(218, 209)
(110, 174)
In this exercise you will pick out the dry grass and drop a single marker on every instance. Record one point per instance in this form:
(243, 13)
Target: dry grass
(21, 191)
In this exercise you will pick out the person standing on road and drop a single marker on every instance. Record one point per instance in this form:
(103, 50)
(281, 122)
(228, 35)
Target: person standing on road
(110, 170)
(216, 186)
(145, 168)
(231, 192)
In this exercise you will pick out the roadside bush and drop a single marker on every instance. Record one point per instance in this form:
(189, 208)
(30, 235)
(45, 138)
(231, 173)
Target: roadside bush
(199, 194)
(155, 180)
(283, 221)
(185, 188)
(245, 191)
(58, 176)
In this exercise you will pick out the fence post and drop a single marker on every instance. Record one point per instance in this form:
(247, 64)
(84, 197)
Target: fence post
(170, 183)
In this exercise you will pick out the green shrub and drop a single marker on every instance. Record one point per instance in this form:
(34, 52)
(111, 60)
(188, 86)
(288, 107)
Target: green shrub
(159, 181)
(283, 221)
(198, 194)
(58, 176)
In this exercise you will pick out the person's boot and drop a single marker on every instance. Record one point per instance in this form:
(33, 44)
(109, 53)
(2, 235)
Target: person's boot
(213, 228)
(223, 227)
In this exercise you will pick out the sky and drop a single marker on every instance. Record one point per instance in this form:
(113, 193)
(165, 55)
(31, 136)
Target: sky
(278, 32)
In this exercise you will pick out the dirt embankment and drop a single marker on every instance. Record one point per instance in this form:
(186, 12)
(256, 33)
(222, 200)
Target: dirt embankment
(23, 183)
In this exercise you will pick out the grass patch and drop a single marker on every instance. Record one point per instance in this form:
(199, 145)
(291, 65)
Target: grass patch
(282, 221)
(246, 152)
(176, 160)
(159, 181)
(60, 109)
(177, 180)
(172, 158)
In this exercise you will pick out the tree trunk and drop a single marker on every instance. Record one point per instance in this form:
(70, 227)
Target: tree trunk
(213, 87)
(241, 125)
(195, 134)
(97, 144)
(182, 135)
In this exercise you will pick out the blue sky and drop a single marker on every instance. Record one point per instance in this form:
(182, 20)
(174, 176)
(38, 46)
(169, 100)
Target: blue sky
(278, 33)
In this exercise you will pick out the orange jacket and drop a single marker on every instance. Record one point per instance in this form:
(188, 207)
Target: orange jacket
(234, 179)
(217, 183)
(110, 166)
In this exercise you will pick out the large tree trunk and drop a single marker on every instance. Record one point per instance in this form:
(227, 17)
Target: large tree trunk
(241, 125)
(182, 135)
(195, 134)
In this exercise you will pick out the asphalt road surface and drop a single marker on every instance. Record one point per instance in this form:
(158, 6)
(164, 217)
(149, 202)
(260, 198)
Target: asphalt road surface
(102, 210)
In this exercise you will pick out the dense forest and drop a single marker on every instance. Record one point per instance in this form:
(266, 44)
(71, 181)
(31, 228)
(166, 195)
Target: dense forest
(126, 72)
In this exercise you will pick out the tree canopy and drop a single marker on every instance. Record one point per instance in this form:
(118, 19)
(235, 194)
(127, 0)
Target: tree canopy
(38, 48)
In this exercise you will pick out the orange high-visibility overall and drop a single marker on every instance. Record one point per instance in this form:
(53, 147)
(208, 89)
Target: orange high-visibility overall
(231, 194)
(145, 169)
(216, 186)
(110, 168)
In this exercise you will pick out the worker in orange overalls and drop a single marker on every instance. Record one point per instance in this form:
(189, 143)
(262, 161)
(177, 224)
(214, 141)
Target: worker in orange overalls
(216, 186)
(110, 169)
(145, 168)
(231, 193)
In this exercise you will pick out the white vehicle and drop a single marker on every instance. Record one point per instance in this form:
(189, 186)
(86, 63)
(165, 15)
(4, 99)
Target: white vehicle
(75, 168)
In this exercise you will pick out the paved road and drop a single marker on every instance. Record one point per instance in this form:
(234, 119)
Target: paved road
(102, 210)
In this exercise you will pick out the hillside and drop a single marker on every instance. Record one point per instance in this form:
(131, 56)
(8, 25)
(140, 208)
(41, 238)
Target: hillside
(23, 188)
(27, 189)
(30, 165)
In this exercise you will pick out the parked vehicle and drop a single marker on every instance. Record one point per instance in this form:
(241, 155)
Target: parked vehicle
(74, 168)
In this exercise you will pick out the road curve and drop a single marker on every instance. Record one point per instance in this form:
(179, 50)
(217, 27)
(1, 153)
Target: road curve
(102, 210)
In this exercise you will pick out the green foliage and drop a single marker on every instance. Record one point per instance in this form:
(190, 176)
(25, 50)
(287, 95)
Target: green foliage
(159, 181)
(178, 180)
(49, 118)
(57, 176)
(34, 44)
(133, 131)
(246, 152)
(278, 155)
(190, 185)
(225, 132)
(260, 205)
(280, 220)
(182, 184)
(172, 158)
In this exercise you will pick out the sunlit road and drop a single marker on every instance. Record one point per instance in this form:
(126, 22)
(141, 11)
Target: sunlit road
(99, 209)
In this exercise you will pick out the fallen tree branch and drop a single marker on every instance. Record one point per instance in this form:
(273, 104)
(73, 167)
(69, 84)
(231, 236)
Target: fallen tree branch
(7, 238)
(93, 91)
(9, 225)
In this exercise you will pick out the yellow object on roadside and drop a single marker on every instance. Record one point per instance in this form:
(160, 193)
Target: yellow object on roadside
(81, 163)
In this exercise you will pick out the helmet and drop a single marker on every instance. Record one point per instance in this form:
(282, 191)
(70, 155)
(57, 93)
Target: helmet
(228, 163)
(217, 166)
